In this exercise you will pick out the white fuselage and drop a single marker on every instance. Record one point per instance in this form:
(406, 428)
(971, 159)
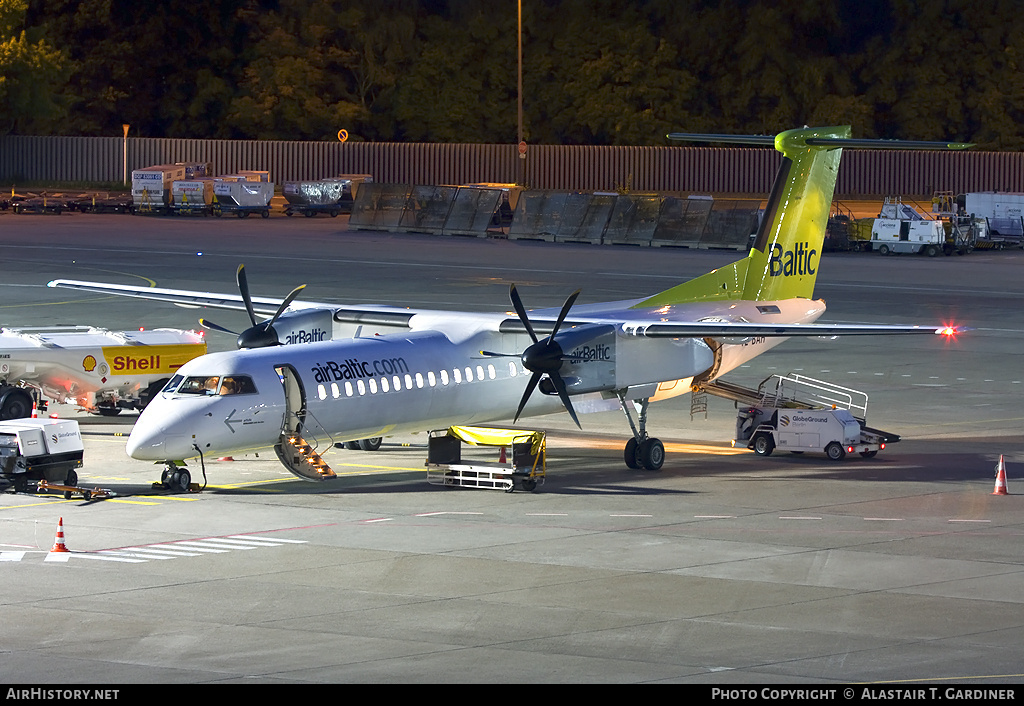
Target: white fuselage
(419, 380)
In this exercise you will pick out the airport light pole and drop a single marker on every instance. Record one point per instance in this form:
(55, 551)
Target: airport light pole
(125, 127)
(519, 98)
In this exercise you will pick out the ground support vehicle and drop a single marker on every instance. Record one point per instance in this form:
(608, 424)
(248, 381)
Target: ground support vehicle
(97, 203)
(33, 450)
(101, 371)
(526, 467)
(802, 414)
(39, 204)
(332, 196)
(243, 193)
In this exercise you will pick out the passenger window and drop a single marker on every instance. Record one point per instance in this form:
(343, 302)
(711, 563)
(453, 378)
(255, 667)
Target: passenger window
(398, 383)
(444, 377)
(490, 372)
(348, 388)
(419, 380)
(458, 375)
(479, 372)
(335, 392)
(373, 386)
(469, 374)
(384, 387)
(431, 379)
(321, 392)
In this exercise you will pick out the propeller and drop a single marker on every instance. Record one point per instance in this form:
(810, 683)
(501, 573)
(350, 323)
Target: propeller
(543, 357)
(261, 334)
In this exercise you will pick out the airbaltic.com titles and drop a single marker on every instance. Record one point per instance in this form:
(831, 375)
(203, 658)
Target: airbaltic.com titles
(869, 693)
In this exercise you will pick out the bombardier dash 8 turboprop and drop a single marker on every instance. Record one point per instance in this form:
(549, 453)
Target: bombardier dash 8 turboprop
(388, 370)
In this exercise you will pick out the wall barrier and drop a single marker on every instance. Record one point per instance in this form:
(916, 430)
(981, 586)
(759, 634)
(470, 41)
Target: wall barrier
(660, 169)
(556, 216)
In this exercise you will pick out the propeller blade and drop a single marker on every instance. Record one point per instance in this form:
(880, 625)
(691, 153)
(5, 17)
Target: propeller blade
(206, 323)
(492, 354)
(562, 314)
(517, 303)
(530, 387)
(243, 288)
(285, 304)
(563, 393)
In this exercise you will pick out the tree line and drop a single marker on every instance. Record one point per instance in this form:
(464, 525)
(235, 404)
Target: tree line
(601, 72)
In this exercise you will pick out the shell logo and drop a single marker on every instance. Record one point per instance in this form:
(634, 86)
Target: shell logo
(89, 364)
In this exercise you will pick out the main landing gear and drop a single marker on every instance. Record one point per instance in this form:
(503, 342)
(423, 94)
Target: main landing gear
(641, 451)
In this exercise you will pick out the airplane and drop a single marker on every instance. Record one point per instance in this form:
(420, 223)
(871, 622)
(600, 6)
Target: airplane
(386, 370)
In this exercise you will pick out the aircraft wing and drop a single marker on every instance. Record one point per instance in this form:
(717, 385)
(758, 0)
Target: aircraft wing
(725, 329)
(266, 306)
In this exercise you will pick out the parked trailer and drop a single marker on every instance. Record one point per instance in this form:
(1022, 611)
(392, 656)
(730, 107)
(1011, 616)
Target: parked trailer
(332, 196)
(1003, 214)
(242, 194)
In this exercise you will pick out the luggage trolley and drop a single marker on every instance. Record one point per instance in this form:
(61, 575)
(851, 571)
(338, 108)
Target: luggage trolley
(527, 466)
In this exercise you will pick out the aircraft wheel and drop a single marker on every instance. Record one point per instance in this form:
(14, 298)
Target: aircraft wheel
(835, 451)
(370, 444)
(651, 454)
(72, 480)
(352, 445)
(763, 444)
(630, 456)
(181, 480)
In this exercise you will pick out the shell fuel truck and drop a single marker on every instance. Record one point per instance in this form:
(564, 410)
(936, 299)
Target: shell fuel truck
(101, 371)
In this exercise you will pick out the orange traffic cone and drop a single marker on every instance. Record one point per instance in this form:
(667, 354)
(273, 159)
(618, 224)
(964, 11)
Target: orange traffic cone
(502, 458)
(58, 543)
(35, 412)
(225, 458)
(1000, 478)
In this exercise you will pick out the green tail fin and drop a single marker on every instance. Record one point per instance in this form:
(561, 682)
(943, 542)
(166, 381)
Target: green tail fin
(783, 262)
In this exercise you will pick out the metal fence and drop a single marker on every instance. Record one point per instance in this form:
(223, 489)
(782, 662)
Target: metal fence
(710, 170)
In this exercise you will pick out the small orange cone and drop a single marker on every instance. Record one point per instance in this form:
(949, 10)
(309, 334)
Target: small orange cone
(502, 458)
(225, 458)
(58, 544)
(1000, 478)
(35, 412)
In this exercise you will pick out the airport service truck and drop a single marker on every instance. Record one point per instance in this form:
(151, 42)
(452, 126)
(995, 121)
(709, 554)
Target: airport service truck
(803, 414)
(101, 371)
(37, 450)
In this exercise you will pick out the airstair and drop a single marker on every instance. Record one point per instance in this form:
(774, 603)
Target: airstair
(301, 458)
(793, 391)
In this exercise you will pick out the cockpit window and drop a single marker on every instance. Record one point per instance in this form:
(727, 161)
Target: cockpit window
(214, 385)
(173, 383)
(237, 385)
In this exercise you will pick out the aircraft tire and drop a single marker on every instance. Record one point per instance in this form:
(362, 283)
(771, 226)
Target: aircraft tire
(15, 404)
(370, 444)
(630, 455)
(651, 454)
(763, 444)
(835, 451)
(181, 480)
